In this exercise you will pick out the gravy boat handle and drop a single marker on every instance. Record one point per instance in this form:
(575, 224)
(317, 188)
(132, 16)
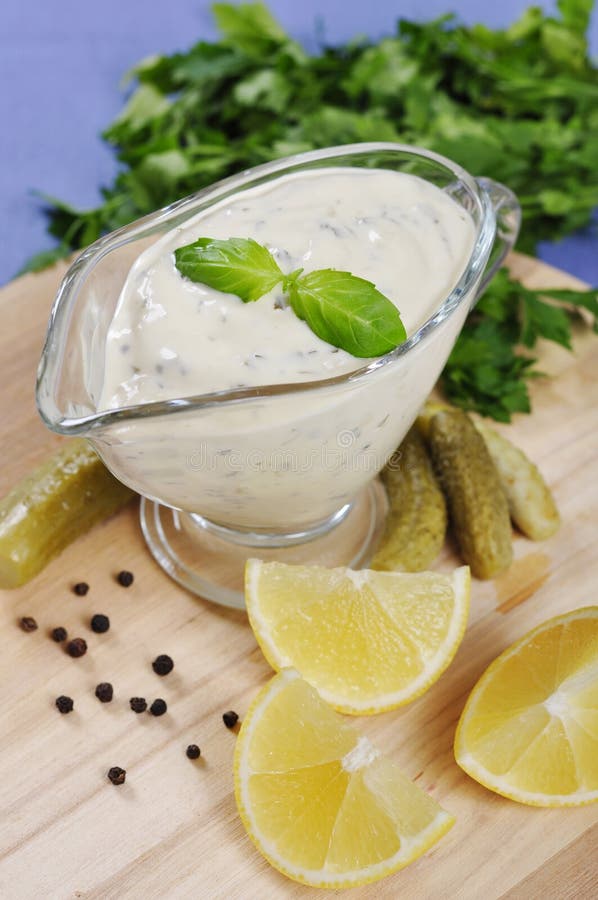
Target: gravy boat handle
(508, 221)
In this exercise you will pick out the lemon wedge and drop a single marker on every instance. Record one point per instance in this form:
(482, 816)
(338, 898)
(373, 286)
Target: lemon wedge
(318, 800)
(529, 730)
(368, 641)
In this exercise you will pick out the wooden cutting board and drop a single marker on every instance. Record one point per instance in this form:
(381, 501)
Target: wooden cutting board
(172, 830)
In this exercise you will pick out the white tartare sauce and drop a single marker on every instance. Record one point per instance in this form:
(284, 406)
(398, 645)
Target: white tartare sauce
(172, 338)
(290, 461)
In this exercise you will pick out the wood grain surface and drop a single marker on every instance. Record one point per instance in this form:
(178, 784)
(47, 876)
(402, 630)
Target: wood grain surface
(172, 830)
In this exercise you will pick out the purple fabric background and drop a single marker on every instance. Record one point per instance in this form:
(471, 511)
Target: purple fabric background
(61, 62)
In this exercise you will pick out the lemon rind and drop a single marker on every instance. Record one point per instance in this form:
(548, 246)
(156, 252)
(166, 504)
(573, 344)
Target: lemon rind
(501, 786)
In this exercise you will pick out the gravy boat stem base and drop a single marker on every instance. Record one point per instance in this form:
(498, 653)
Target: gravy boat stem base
(206, 563)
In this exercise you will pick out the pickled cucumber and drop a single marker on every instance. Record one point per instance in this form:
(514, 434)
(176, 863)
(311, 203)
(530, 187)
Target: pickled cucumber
(476, 500)
(417, 518)
(426, 414)
(531, 504)
(52, 506)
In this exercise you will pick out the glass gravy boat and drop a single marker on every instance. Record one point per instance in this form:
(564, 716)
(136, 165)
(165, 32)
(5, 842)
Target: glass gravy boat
(285, 471)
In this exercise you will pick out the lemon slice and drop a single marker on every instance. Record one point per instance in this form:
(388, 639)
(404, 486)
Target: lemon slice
(368, 641)
(318, 800)
(529, 730)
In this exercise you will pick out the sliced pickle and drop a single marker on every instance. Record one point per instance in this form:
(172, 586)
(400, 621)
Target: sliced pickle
(416, 522)
(531, 503)
(476, 500)
(51, 507)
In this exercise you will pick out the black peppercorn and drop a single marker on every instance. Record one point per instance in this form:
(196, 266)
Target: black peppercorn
(162, 664)
(81, 588)
(59, 634)
(230, 718)
(104, 692)
(193, 751)
(158, 707)
(76, 647)
(28, 623)
(99, 623)
(64, 704)
(117, 775)
(138, 704)
(125, 578)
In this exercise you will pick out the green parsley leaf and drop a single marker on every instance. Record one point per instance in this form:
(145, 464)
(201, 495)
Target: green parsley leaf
(485, 372)
(348, 312)
(577, 299)
(266, 89)
(543, 320)
(249, 27)
(238, 266)
(576, 14)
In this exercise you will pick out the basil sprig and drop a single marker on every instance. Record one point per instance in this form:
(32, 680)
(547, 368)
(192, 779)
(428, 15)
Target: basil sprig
(342, 309)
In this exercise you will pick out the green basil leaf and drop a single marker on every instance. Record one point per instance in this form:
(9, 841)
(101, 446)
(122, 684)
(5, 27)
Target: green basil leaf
(238, 266)
(348, 312)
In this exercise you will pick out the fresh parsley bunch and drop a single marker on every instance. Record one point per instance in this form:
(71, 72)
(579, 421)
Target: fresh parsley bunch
(519, 105)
